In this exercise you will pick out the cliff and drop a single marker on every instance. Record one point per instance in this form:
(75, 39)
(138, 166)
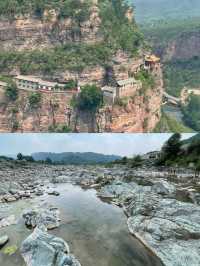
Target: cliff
(30, 32)
(184, 47)
(140, 113)
(62, 48)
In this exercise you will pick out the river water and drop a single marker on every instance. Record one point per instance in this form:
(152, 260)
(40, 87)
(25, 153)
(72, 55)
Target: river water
(95, 231)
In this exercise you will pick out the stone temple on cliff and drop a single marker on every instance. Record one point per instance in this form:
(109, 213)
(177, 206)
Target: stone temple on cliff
(123, 88)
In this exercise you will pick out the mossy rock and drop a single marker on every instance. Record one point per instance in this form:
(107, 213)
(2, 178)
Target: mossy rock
(10, 250)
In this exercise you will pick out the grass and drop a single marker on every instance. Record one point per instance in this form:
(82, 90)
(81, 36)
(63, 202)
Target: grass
(169, 124)
(10, 250)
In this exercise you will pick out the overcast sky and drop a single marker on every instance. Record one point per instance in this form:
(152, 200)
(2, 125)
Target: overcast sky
(119, 144)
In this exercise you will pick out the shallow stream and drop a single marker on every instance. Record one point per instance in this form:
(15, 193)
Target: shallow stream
(95, 231)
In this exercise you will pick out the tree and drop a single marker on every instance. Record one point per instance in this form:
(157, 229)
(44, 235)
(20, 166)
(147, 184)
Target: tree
(136, 161)
(11, 91)
(28, 158)
(39, 7)
(90, 98)
(170, 149)
(20, 156)
(48, 160)
(35, 99)
(192, 112)
(70, 84)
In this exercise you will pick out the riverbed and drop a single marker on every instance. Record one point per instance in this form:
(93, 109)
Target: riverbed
(96, 231)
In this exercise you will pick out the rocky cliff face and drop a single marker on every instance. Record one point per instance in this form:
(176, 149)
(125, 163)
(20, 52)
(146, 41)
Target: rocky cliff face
(140, 114)
(20, 117)
(29, 33)
(185, 46)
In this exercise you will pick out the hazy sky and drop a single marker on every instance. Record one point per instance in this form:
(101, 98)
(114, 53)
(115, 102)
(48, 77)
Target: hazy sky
(119, 144)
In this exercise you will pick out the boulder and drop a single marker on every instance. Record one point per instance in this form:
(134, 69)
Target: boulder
(9, 198)
(39, 193)
(53, 192)
(163, 188)
(3, 240)
(43, 249)
(8, 221)
(39, 217)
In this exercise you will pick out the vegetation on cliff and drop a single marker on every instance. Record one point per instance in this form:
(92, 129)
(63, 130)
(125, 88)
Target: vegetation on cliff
(68, 8)
(169, 124)
(192, 112)
(35, 99)
(116, 30)
(11, 92)
(181, 153)
(170, 150)
(181, 73)
(89, 99)
(147, 79)
(177, 72)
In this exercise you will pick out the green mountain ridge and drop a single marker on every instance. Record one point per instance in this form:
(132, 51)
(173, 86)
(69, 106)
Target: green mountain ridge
(152, 10)
(75, 157)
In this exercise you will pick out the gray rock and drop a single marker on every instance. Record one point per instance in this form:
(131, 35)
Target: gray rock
(9, 198)
(39, 193)
(53, 192)
(163, 188)
(169, 227)
(39, 217)
(174, 228)
(43, 249)
(10, 220)
(3, 240)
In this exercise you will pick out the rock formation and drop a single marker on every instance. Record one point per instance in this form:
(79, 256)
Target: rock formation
(27, 33)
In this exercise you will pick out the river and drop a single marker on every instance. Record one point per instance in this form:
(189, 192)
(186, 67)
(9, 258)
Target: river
(96, 231)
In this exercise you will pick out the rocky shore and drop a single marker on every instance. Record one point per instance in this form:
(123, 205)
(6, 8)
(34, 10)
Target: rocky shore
(164, 215)
(162, 208)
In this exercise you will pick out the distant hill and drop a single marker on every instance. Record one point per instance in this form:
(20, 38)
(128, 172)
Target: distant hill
(75, 157)
(148, 10)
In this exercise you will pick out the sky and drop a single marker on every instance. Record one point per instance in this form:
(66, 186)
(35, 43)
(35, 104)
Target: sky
(118, 144)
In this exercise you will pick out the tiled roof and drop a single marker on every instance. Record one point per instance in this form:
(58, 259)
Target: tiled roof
(126, 81)
(109, 89)
(152, 58)
(39, 81)
(3, 84)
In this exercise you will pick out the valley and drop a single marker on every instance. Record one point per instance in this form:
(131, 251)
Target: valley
(172, 30)
(136, 211)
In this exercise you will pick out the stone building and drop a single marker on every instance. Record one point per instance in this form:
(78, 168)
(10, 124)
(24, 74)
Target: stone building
(151, 62)
(34, 83)
(123, 88)
(154, 155)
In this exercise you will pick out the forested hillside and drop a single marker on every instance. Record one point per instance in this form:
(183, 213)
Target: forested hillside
(70, 49)
(75, 157)
(149, 10)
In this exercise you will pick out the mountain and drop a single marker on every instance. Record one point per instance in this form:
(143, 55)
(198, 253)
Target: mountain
(95, 42)
(75, 157)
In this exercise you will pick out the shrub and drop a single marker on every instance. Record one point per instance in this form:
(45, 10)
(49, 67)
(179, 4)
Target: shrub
(89, 99)
(11, 92)
(35, 99)
(71, 84)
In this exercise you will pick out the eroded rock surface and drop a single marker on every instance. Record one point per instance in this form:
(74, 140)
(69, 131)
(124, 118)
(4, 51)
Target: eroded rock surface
(170, 227)
(39, 217)
(43, 249)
